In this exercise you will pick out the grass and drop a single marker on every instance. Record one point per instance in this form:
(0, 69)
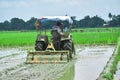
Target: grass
(95, 37)
(68, 75)
(16, 38)
(108, 76)
(88, 36)
(113, 67)
(98, 29)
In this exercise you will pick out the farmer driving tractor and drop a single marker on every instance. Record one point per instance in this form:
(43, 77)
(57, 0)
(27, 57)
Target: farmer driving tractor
(59, 28)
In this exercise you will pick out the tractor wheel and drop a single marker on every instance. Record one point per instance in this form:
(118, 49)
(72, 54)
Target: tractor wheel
(39, 46)
(73, 48)
(68, 46)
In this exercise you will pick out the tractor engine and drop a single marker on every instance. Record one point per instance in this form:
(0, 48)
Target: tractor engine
(56, 39)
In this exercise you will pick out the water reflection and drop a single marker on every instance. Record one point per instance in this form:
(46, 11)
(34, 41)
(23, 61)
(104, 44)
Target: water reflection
(91, 62)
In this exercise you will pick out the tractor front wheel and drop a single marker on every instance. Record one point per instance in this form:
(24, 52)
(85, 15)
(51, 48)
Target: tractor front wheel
(68, 46)
(39, 46)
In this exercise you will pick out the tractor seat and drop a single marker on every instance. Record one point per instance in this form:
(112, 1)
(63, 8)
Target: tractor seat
(55, 33)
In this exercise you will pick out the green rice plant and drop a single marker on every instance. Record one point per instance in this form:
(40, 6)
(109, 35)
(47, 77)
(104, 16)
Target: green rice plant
(17, 38)
(113, 67)
(96, 37)
(68, 74)
(108, 76)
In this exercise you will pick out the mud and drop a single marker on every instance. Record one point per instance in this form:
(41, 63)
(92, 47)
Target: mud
(12, 66)
(90, 62)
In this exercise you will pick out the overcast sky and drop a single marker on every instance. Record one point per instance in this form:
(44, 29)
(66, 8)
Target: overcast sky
(25, 9)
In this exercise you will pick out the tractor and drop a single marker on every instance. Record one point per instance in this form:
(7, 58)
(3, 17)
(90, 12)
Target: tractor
(54, 39)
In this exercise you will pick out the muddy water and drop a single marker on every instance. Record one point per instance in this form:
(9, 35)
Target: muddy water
(12, 66)
(91, 61)
(11, 57)
(6, 52)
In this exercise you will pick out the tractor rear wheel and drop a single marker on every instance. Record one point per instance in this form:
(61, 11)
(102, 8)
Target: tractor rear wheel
(68, 46)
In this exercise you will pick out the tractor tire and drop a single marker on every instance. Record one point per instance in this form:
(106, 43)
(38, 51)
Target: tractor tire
(68, 46)
(39, 46)
(73, 48)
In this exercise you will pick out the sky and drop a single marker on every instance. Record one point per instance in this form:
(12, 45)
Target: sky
(25, 9)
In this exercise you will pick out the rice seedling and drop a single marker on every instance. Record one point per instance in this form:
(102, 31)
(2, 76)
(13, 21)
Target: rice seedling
(95, 37)
(103, 36)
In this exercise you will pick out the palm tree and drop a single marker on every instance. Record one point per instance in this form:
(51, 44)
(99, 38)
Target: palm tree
(110, 16)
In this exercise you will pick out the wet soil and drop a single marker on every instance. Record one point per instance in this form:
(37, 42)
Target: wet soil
(13, 66)
(90, 62)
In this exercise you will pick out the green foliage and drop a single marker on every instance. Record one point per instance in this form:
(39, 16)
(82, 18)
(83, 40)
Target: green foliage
(30, 24)
(113, 67)
(18, 24)
(93, 36)
(88, 36)
(91, 22)
(16, 38)
(110, 15)
(108, 76)
(68, 74)
(115, 20)
(86, 22)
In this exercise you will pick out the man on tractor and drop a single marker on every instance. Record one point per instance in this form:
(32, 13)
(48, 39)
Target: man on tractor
(59, 28)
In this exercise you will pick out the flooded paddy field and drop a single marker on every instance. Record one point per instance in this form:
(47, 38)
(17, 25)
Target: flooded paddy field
(88, 64)
(91, 61)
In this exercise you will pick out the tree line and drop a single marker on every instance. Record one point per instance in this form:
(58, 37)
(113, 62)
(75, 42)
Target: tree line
(18, 24)
(86, 22)
(96, 21)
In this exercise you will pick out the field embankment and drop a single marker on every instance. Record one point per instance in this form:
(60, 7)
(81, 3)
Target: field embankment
(111, 68)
